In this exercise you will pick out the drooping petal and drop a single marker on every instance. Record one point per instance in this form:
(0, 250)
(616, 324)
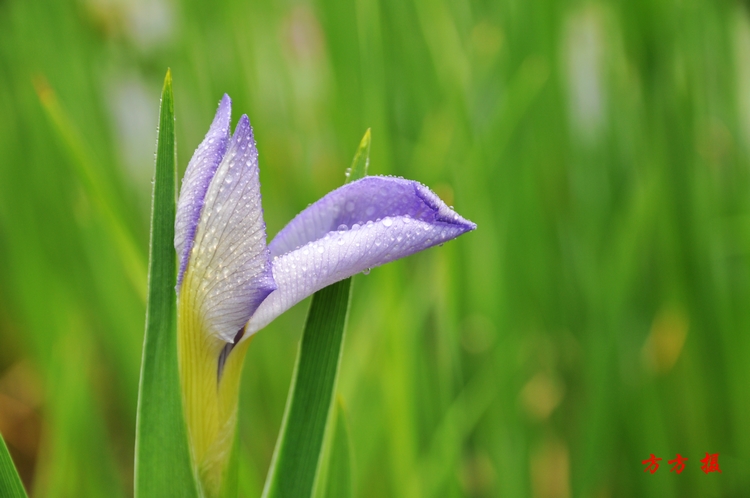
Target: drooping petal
(229, 271)
(195, 183)
(359, 226)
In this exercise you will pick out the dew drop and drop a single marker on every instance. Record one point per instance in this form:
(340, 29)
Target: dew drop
(387, 222)
(343, 228)
(366, 271)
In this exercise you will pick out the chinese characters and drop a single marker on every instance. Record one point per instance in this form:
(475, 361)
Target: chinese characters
(710, 463)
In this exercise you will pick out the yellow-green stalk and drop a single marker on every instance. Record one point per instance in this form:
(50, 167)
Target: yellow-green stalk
(209, 395)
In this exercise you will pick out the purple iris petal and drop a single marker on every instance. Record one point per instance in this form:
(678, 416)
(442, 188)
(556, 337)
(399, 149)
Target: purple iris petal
(198, 174)
(230, 269)
(359, 226)
(367, 199)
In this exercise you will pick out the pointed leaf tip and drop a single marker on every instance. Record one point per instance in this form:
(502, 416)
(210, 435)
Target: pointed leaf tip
(361, 160)
(10, 483)
(167, 87)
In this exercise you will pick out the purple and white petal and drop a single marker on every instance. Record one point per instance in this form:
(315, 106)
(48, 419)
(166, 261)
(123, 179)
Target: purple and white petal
(198, 174)
(369, 198)
(230, 273)
(359, 226)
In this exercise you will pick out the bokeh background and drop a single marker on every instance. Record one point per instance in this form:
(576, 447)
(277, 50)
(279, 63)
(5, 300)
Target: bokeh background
(600, 313)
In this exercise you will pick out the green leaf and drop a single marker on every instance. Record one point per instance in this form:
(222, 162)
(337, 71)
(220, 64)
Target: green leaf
(230, 486)
(10, 483)
(298, 458)
(299, 447)
(335, 475)
(162, 459)
(361, 160)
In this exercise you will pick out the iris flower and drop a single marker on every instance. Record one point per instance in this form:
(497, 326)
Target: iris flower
(231, 283)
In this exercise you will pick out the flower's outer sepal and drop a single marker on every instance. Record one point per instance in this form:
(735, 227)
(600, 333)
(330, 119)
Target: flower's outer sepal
(356, 227)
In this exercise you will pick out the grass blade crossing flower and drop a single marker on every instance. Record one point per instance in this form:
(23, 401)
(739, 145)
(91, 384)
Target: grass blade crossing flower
(231, 284)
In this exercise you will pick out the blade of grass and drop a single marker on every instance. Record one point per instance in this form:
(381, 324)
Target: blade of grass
(298, 454)
(335, 480)
(162, 460)
(10, 483)
(361, 160)
(298, 449)
(95, 186)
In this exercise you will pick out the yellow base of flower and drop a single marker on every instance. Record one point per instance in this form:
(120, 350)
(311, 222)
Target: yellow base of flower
(209, 403)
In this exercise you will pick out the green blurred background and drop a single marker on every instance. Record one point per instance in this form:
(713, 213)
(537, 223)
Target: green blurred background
(599, 313)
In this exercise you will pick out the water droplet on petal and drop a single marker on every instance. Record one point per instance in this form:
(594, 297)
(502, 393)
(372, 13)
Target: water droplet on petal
(366, 271)
(343, 228)
(387, 222)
